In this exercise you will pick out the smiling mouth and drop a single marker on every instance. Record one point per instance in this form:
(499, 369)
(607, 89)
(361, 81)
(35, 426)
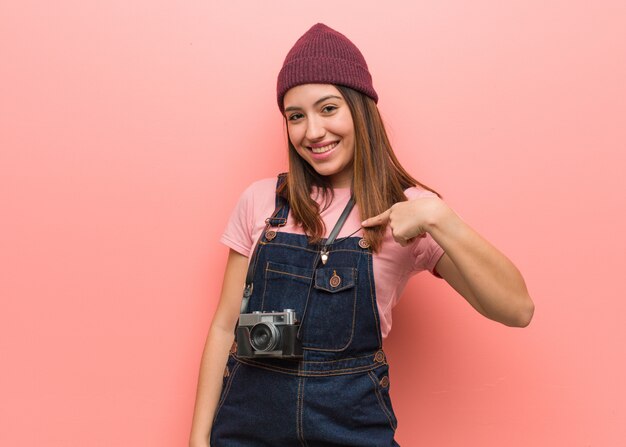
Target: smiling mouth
(321, 150)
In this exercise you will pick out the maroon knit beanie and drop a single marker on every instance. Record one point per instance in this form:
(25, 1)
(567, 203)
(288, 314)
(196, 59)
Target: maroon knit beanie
(324, 56)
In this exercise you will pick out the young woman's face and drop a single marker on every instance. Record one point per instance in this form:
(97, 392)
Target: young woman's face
(320, 127)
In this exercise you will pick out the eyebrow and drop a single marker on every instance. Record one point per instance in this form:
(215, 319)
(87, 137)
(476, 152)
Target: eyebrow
(289, 109)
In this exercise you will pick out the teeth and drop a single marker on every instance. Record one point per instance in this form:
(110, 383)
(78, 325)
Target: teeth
(321, 150)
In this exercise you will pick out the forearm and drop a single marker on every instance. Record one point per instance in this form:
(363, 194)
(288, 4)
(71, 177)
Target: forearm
(494, 281)
(210, 378)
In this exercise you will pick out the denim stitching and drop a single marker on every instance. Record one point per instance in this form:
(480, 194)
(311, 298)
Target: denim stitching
(349, 342)
(351, 283)
(313, 348)
(226, 389)
(306, 362)
(381, 402)
(267, 269)
(370, 274)
(287, 273)
(314, 373)
(264, 287)
(300, 412)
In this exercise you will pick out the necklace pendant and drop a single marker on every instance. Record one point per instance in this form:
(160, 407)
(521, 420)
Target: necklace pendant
(324, 256)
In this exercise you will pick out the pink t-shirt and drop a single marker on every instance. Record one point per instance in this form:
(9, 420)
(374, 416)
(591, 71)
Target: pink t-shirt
(393, 264)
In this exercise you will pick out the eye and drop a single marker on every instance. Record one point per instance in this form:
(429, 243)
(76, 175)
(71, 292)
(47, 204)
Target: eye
(329, 108)
(295, 116)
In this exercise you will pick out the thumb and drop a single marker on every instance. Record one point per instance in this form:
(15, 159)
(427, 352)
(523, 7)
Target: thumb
(381, 219)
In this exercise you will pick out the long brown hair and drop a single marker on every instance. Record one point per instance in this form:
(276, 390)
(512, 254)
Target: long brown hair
(378, 181)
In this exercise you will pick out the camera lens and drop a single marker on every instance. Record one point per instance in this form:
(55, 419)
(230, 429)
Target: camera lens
(264, 337)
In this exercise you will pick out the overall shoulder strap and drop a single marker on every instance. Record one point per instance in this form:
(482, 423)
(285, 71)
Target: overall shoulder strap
(279, 216)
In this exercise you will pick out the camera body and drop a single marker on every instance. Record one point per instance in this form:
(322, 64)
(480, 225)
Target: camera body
(269, 335)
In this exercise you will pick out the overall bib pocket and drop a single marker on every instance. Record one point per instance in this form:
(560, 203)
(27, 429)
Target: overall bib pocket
(286, 287)
(331, 309)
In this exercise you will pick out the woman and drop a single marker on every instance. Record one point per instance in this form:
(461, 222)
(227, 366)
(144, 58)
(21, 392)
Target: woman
(325, 380)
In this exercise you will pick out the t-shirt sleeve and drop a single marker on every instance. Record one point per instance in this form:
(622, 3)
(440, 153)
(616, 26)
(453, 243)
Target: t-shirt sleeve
(426, 251)
(238, 232)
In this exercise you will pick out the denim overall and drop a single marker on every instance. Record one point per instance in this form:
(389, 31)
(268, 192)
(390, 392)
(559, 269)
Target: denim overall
(338, 394)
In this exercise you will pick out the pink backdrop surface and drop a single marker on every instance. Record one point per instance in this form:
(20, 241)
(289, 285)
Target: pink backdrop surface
(129, 129)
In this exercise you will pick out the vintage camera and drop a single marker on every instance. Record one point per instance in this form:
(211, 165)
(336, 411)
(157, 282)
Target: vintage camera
(269, 334)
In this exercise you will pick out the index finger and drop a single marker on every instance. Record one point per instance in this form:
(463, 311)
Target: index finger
(381, 219)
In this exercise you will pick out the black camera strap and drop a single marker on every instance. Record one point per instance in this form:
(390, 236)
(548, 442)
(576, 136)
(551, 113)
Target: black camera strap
(333, 234)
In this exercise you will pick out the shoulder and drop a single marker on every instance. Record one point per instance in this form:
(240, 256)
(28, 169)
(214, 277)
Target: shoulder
(259, 191)
(262, 186)
(255, 203)
(416, 192)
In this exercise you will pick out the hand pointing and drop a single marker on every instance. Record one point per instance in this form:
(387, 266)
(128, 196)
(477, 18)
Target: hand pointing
(407, 220)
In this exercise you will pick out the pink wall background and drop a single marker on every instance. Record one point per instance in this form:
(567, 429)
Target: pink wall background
(129, 129)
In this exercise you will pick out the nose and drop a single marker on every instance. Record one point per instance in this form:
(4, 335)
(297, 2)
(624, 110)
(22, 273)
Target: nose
(314, 129)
